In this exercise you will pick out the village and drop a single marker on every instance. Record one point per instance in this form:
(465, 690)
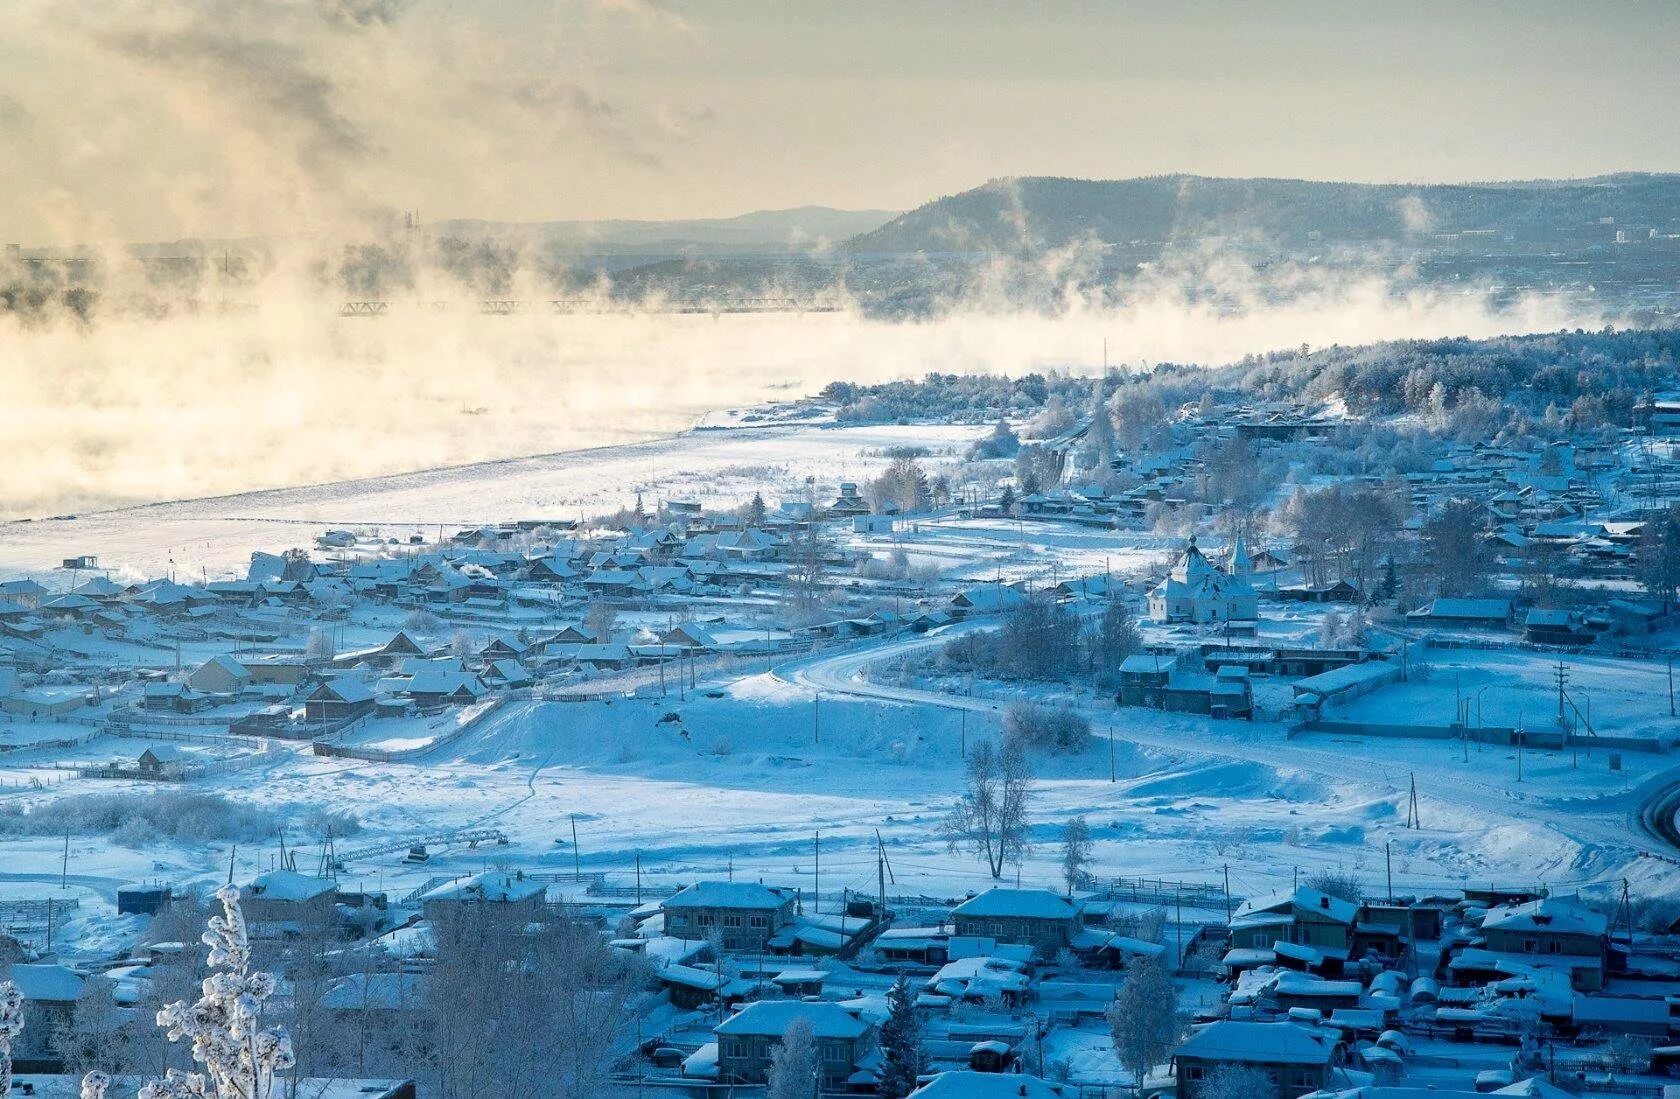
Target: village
(1329, 784)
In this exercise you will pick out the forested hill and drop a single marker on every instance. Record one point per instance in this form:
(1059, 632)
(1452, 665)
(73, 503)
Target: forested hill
(1035, 213)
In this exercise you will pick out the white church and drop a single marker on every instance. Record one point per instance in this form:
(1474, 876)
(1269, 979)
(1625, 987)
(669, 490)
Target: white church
(1197, 590)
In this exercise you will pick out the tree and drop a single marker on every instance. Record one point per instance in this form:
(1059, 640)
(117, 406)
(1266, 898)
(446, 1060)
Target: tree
(1342, 886)
(527, 1036)
(1454, 548)
(1039, 639)
(1076, 852)
(1112, 641)
(600, 619)
(1001, 443)
(242, 1059)
(11, 1025)
(1051, 728)
(754, 513)
(793, 1064)
(94, 1036)
(1235, 1082)
(901, 1043)
(1144, 1017)
(1657, 563)
(991, 818)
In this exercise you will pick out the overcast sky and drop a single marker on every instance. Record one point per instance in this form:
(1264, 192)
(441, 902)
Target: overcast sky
(153, 119)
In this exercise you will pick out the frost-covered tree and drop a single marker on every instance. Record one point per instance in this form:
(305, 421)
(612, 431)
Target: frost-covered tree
(11, 1025)
(793, 1064)
(1235, 1082)
(901, 1043)
(242, 1059)
(1076, 852)
(1144, 1017)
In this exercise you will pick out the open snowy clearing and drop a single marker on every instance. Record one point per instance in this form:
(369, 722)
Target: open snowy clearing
(754, 767)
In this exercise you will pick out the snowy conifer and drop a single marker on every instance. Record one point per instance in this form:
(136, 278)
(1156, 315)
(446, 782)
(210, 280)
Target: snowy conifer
(240, 1057)
(901, 1043)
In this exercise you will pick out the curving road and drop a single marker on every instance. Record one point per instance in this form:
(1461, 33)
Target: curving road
(1641, 819)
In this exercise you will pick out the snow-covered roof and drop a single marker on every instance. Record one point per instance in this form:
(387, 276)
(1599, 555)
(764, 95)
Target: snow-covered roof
(289, 885)
(1324, 904)
(985, 1085)
(1558, 915)
(378, 991)
(47, 983)
(1036, 904)
(1259, 1044)
(493, 886)
(771, 1018)
(728, 894)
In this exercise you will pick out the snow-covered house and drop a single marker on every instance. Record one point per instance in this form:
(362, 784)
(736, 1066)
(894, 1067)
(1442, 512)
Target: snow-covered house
(1197, 590)
(1294, 1059)
(845, 1041)
(514, 892)
(288, 897)
(1038, 918)
(220, 675)
(745, 915)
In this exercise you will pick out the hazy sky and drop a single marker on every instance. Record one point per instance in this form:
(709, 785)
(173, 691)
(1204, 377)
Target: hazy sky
(162, 118)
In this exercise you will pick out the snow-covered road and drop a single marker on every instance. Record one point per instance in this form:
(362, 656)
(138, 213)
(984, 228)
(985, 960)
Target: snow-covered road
(1607, 822)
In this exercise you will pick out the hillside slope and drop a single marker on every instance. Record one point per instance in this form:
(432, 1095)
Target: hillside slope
(1036, 213)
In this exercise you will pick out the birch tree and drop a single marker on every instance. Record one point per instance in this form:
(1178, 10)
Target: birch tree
(991, 818)
(793, 1064)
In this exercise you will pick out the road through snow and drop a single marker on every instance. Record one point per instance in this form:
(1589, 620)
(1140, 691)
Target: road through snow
(1609, 821)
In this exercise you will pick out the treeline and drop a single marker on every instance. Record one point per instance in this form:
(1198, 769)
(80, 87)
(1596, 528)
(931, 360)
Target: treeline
(957, 397)
(1593, 375)
(1587, 379)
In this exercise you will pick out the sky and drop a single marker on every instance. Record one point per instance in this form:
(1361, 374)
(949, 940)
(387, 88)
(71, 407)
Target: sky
(160, 119)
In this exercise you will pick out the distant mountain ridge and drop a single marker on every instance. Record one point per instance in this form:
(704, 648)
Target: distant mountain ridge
(1035, 213)
(798, 229)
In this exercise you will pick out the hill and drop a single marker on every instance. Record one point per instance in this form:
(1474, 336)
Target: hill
(795, 230)
(1032, 214)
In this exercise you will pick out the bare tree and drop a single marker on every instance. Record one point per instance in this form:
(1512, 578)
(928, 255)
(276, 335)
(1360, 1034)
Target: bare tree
(600, 619)
(1076, 852)
(991, 818)
(793, 1063)
(549, 1031)
(1114, 638)
(1657, 563)
(1455, 548)
(1144, 1018)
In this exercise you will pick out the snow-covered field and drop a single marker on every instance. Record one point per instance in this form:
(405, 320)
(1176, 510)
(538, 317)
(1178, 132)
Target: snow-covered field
(749, 771)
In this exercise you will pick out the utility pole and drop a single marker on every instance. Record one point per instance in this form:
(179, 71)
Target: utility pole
(1113, 775)
(1388, 861)
(638, 879)
(1178, 919)
(1414, 818)
(816, 717)
(64, 867)
(816, 878)
(1562, 677)
(577, 859)
(1227, 892)
(1671, 686)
